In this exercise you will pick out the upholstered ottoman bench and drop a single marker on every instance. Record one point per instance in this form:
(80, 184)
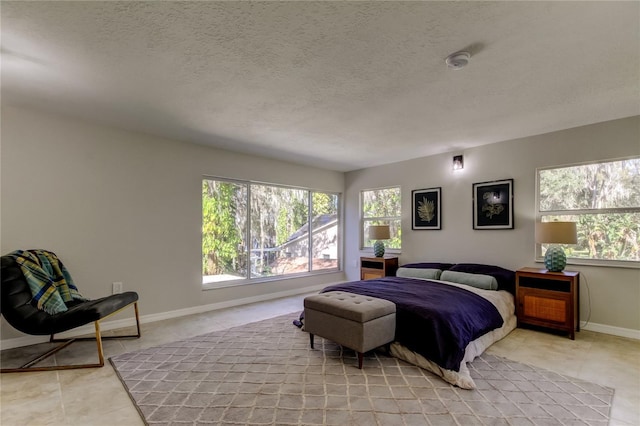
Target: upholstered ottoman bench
(361, 323)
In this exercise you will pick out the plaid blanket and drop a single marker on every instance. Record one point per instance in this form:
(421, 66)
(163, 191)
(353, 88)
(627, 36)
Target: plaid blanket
(49, 281)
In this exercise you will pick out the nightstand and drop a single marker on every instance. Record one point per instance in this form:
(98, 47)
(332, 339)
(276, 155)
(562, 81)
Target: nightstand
(548, 299)
(378, 267)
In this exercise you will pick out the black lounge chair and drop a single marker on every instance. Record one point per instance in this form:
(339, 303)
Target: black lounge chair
(20, 313)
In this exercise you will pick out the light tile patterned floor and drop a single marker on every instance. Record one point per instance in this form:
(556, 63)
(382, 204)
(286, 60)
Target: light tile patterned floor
(96, 396)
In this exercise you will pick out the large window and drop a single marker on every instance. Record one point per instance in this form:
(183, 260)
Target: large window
(381, 207)
(254, 231)
(604, 200)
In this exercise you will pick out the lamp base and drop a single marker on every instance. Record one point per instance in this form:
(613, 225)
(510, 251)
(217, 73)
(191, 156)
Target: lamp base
(378, 248)
(555, 259)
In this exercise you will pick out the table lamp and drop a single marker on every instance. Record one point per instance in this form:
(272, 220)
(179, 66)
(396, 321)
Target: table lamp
(556, 232)
(379, 233)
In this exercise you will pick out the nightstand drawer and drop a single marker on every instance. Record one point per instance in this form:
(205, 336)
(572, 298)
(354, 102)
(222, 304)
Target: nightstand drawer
(370, 274)
(545, 308)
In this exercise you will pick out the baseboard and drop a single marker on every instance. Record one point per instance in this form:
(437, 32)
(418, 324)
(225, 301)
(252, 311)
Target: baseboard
(609, 329)
(128, 322)
(231, 303)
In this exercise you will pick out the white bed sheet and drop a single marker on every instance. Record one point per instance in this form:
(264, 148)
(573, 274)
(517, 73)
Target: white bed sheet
(505, 304)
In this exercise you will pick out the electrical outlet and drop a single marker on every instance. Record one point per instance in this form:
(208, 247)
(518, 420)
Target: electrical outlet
(116, 288)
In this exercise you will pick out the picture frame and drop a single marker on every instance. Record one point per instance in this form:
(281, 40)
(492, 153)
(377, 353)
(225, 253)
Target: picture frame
(426, 209)
(493, 204)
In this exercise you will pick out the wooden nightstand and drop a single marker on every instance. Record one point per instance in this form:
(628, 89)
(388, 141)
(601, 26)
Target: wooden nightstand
(378, 267)
(548, 299)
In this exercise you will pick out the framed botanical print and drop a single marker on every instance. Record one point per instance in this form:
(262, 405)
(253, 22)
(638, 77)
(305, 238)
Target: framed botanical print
(426, 210)
(493, 204)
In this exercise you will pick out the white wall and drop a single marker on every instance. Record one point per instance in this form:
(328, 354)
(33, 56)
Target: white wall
(122, 206)
(615, 292)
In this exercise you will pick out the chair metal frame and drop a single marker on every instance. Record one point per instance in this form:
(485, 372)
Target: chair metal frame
(66, 342)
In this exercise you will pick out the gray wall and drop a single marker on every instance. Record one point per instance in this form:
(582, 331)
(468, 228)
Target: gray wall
(615, 292)
(121, 206)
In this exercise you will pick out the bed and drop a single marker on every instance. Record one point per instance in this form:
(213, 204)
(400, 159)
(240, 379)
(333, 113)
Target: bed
(446, 314)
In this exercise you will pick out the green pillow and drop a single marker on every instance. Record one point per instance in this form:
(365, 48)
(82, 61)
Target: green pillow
(422, 273)
(485, 282)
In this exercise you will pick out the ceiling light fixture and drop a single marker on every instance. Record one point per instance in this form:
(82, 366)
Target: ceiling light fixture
(458, 60)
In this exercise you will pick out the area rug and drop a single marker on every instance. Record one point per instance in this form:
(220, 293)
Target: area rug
(265, 373)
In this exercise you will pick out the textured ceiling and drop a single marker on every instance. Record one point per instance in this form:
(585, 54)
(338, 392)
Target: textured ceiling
(339, 85)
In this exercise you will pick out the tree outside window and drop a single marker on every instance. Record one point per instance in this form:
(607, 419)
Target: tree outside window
(381, 207)
(604, 200)
(254, 231)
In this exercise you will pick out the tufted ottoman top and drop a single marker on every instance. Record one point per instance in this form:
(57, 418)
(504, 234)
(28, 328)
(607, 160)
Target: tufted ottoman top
(350, 306)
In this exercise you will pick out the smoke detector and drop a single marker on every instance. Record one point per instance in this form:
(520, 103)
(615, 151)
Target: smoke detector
(458, 60)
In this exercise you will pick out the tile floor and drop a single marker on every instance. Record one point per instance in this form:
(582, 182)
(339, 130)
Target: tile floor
(96, 396)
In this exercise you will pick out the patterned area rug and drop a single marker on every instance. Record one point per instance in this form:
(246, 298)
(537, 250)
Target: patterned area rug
(264, 373)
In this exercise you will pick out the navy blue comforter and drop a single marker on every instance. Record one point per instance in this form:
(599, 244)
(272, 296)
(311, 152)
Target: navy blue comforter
(433, 319)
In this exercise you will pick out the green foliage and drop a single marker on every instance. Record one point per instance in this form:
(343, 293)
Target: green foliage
(275, 214)
(282, 226)
(300, 214)
(604, 200)
(380, 203)
(221, 236)
(593, 186)
(323, 203)
(383, 207)
(608, 236)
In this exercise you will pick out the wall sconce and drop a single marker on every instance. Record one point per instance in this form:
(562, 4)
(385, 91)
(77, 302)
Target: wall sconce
(458, 162)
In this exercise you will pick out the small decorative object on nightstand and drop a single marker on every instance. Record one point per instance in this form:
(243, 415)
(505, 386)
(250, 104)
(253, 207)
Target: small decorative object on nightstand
(548, 299)
(378, 267)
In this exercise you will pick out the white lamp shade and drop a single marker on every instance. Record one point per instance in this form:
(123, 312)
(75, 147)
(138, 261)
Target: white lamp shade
(556, 233)
(379, 232)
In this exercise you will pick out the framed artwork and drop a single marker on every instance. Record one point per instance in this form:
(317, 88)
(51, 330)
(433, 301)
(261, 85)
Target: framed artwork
(493, 204)
(425, 207)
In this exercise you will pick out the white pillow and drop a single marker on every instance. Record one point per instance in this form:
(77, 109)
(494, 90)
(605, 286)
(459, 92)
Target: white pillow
(485, 282)
(421, 273)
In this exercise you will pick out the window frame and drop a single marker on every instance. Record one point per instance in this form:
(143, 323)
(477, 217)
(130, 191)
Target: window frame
(309, 272)
(577, 212)
(363, 220)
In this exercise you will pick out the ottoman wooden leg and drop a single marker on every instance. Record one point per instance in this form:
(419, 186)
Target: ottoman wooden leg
(311, 340)
(360, 356)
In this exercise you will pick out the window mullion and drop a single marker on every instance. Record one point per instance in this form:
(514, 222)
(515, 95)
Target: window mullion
(310, 231)
(609, 210)
(372, 219)
(248, 233)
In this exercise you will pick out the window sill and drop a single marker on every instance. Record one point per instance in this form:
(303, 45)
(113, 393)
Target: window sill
(624, 264)
(369, 250)
(245, 281)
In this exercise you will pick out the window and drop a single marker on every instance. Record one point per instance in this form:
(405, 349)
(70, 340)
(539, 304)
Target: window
(604, 200)
(254, 231)
(381, 207)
